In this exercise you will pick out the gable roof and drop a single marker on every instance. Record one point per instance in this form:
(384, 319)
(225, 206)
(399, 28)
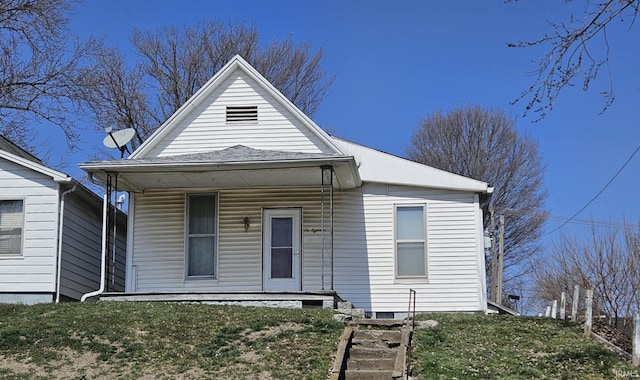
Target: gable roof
(11, 147)
(13, 153)
(236, 63)
(234, 154)
(381, 167)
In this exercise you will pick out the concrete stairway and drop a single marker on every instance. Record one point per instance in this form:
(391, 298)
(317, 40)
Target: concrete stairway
(373, 350)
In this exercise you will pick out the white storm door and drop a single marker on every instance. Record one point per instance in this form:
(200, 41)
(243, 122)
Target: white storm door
(282, 249)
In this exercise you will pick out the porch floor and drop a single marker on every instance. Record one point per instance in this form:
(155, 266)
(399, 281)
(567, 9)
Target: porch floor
(298, 300)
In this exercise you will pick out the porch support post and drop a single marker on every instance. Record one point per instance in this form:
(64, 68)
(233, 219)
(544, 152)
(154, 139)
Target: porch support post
(331, 212)
(327, 224)
(322, 223)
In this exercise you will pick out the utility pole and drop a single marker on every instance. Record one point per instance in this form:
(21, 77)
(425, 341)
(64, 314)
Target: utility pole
(494, 264)
(500, 269)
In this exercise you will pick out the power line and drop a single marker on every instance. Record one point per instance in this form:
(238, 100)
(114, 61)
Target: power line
(568, 219)
(597, 195)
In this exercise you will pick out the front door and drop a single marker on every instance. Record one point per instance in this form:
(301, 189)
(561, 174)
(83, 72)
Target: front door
(282, 249)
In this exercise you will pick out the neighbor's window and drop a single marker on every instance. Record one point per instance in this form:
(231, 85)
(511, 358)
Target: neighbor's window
(410, 242)
(11, 221)
(201, 235)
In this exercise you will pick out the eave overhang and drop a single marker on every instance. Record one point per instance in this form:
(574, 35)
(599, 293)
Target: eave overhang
(144, 174)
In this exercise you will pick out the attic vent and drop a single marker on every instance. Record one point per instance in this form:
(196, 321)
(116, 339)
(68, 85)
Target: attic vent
(242, 113)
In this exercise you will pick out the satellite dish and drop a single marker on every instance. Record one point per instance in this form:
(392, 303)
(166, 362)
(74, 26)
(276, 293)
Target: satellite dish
(119, 139)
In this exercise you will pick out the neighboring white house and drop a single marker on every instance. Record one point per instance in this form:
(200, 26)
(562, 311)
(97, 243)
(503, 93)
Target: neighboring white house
(240, 192)
(50, 233)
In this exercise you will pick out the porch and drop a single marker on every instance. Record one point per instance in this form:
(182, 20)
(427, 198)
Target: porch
(297, 300)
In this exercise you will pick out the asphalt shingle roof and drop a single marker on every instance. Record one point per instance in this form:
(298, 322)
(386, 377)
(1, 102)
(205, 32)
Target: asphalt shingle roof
(237, 153)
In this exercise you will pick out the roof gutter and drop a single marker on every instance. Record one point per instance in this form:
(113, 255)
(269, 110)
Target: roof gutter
(104, 253)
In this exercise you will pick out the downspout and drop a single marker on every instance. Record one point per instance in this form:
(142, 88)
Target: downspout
(59, 250)
(104, 252)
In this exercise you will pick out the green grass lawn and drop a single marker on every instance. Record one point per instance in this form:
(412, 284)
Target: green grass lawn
(162, 340)
(474, 346)
(127, 340)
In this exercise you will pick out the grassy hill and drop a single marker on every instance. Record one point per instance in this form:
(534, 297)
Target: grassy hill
(108, 340)
(474, 346)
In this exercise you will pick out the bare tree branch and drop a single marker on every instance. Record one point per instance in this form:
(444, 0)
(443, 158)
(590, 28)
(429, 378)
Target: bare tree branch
(39, 66)
(607, 261)
(175, 62)
(577, 48)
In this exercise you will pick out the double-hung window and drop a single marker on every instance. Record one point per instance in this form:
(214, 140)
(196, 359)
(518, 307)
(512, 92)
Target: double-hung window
(201, 235)
(11, 222)
(410, 242)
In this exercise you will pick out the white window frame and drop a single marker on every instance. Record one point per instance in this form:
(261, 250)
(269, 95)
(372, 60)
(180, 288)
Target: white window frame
(423, 240)
(24, 207)
(187, 235)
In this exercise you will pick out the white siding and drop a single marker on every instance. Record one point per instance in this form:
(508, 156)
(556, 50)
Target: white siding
(81, 247)
(205, 128)
(34, 270)
(158, 239)
(364, 247)
(454, 278)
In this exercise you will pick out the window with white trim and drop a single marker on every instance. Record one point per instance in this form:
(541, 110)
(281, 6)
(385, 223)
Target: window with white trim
(201, 234)
(11, 227)
(410, 244)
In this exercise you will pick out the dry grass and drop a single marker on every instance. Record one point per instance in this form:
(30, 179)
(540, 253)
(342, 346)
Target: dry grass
(111, 340)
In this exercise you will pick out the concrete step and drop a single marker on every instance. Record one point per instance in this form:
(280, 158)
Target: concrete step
(368, 375)
(371, 364)
(373, 344)
(379, 335)
(372, 353)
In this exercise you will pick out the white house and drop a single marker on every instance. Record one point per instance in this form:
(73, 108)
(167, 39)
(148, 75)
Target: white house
(50, 233)
(239, 193)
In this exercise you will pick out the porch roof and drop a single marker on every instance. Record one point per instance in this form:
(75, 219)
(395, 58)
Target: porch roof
(237, 166)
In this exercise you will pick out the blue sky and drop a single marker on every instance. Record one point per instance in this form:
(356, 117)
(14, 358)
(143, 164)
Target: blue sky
(397, 61)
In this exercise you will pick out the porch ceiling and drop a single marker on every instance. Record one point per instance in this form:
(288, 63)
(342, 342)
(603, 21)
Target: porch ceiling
(214, 171)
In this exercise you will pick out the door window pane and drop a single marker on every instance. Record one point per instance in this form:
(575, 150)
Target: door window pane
(282, 247)
(281, 262)
(281, 232)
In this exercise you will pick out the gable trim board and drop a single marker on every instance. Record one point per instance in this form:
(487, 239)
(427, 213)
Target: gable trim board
(54, 174)
(288, 171)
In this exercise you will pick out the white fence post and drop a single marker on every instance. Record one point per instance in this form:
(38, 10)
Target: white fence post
(574, 303)
(563, 305)
(547, 313)
(554, 309)
(588, 313)
(635, 358)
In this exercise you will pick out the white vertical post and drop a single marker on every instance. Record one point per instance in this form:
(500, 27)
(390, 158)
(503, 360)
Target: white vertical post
(563, 305)
(574, 303)
(547, 313)
(588, 313)
(554, 309)
(500, 259)
(635, 358)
